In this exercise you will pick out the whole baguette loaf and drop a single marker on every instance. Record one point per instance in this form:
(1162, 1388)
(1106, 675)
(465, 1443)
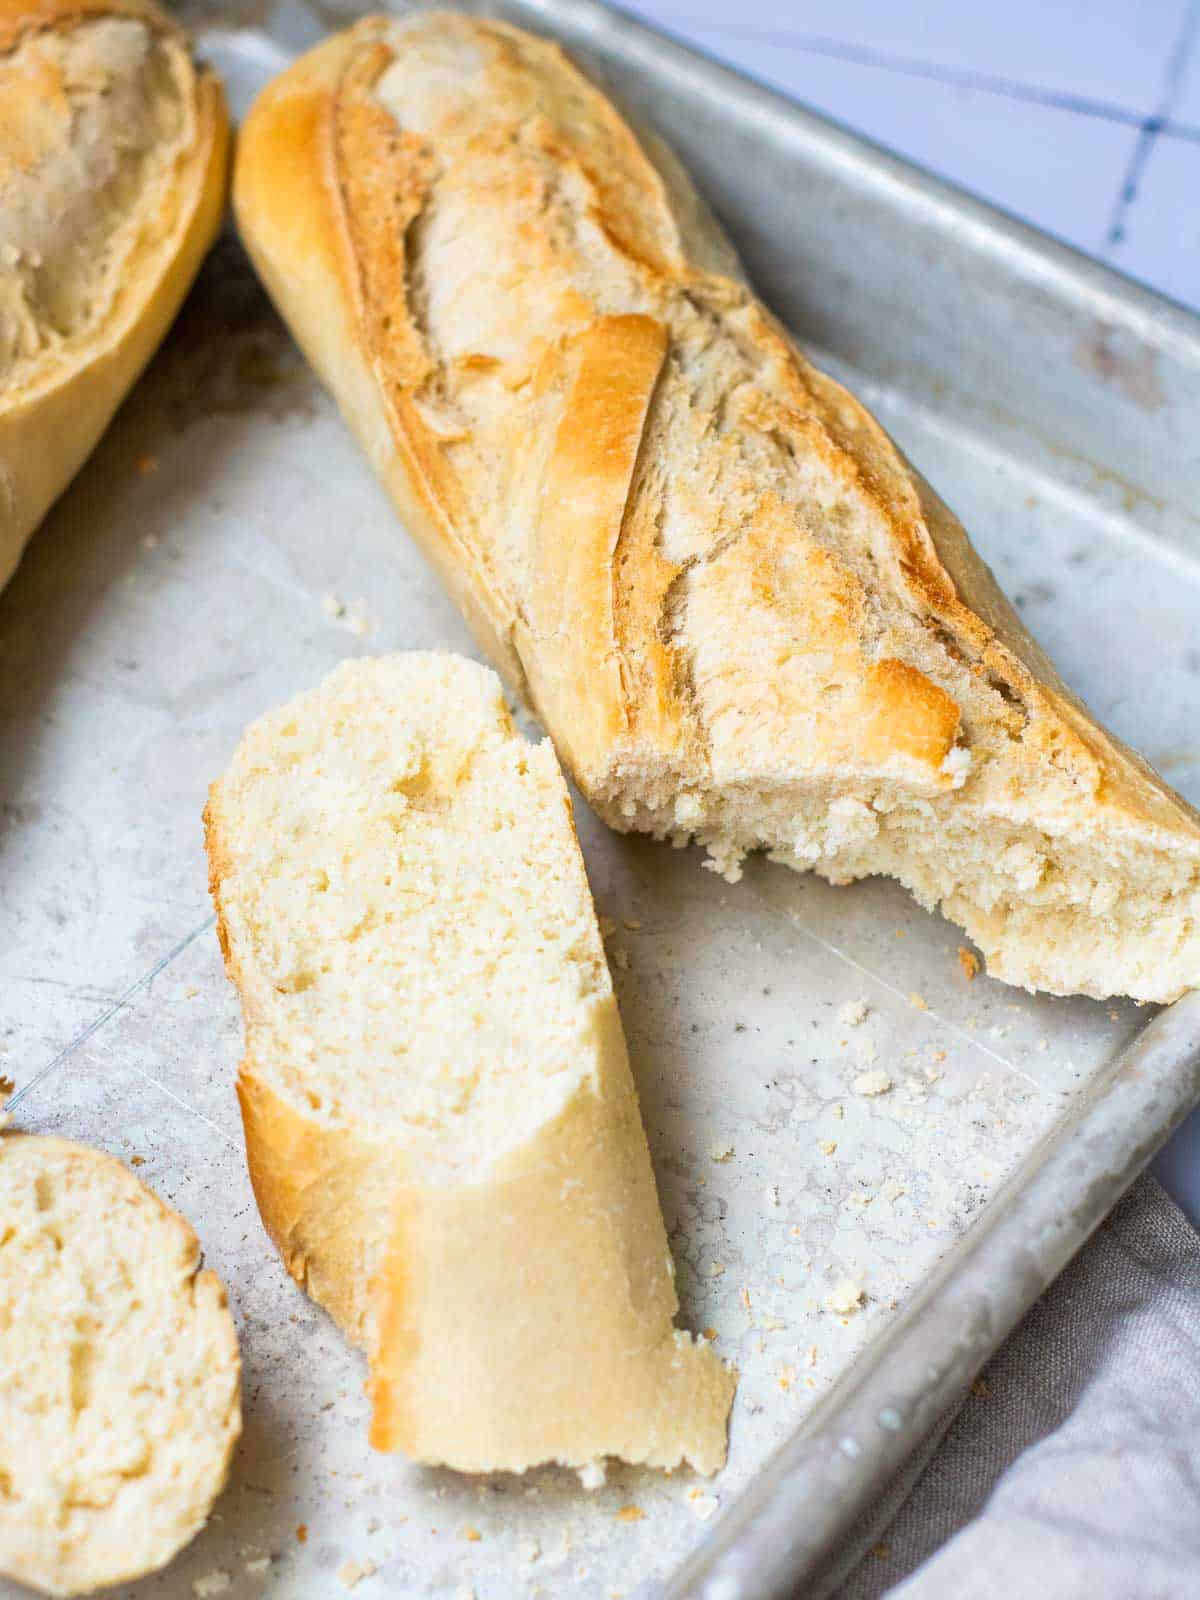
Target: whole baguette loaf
(119, 1372)
(113, 158)
(741, 614)
(441, 1125)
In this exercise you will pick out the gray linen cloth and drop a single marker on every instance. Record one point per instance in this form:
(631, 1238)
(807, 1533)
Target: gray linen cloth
(1073, 1468)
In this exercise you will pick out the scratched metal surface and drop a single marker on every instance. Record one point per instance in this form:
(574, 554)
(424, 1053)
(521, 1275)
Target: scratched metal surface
(181, 587)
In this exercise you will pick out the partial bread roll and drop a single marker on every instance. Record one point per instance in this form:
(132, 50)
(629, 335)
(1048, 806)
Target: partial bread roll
(119, 1372)
(739, 611)
(112, 183)
(442, 1129)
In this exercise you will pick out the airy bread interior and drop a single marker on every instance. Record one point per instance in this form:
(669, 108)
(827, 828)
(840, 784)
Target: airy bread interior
(96, 119)
(119, 1397)
(420, 949)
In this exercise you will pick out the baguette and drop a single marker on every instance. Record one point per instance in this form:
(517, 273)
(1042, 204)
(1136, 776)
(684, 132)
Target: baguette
(741, 614)
(113, 162)
(441, 1126)
(119, 1372)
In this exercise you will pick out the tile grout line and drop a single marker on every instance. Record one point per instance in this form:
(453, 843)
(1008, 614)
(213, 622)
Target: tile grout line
(107, 1015)
(913, 66)
(1152, 128)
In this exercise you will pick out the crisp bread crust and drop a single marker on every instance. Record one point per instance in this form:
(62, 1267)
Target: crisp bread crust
(333, 191)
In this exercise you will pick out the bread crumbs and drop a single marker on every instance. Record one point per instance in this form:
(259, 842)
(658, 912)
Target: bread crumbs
(721, 1150)
(473, 1535)
(827, 1146)
(969, 962)
(593, 1476)
(352, 1573)
(872, 1083)
(302, 1533)
(631, 1514)
(212, 1583)
(918, 1002)
(853, 1013)
(703, 1505)
(608, 926)
(845, 1297)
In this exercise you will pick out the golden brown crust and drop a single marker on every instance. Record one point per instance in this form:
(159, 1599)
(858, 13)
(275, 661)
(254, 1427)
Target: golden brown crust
(50, 423)
(716, 576)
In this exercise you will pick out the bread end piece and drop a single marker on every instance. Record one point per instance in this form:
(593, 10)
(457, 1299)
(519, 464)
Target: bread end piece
(458, 1173)
(119, 1405)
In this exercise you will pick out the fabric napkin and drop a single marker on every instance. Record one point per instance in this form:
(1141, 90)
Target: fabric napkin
(1073, 1467)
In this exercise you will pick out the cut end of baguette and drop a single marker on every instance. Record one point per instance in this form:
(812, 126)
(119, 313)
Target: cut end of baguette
(440, 1119)
(412, 935)
(1067, 909)
(119, 1372)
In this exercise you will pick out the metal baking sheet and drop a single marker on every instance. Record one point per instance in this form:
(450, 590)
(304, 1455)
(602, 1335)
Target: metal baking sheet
(227, 545)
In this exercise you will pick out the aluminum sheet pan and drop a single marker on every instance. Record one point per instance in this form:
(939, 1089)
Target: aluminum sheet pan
(227, 545)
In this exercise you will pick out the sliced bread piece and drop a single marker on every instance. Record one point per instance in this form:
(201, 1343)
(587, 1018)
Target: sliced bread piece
(441, 1124)
(119, 1372)
(739, 611)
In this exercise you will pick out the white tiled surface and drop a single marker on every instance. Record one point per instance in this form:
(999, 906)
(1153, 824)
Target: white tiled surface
(1082, 116)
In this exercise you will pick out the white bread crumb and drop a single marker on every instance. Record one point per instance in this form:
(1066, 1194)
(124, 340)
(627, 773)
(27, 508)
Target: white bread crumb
(845, 1297)
(872, 1083)
(853, 1013)
(593, 1476)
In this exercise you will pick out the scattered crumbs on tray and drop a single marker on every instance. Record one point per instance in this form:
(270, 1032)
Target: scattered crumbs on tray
(7, 1086)
(258, 1565)
(360, 621)
(352, 1573)
(333, 605)
(472, 1535)
(891, 1191)
(191, 991)
(721, 1150)
(872, 1083)
(838, 1111)
(716, 1268)
(137, 1161)
(632, 924)
(827, 1146)
(302, 1533)
(621, 958)
(1043, 1044)
(845, 1297)
(786, 1378)
(810, 1356)
(528, 1551)
(374, 1525)
(918, 1002)
(969, 962)
(853, 1013)
(771, 1194)
(981, 1388)
(593, 1476)
(710, 1334)
(703, 1505)
(608, 926)
(631, 1514)
(212, 1583)
(744, 1298)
